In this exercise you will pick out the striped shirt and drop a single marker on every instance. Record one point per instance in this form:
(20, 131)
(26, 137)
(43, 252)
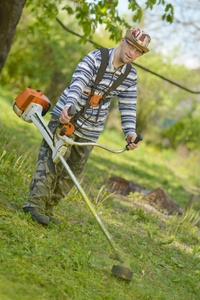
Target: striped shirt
(77, 94)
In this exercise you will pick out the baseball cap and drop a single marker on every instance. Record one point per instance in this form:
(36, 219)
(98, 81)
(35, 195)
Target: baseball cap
(139, 37)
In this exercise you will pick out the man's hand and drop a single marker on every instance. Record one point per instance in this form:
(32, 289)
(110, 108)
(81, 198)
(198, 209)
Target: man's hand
(64, 117)
(130, 139)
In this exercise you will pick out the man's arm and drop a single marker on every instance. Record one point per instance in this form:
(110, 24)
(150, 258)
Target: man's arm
(80, 79)
(127, 106)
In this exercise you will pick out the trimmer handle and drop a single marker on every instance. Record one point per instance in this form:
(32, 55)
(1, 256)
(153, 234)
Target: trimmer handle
(69, 127)
(71, 111)
(137, 140)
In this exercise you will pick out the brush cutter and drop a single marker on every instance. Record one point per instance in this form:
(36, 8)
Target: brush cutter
(31, 105)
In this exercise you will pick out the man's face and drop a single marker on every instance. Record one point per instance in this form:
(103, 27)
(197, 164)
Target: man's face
(129, 52)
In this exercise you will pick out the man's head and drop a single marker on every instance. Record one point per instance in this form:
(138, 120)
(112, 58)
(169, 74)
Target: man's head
(139, 38)
(132, 45)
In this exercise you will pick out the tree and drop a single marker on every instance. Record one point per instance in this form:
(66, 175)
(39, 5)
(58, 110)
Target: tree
(92, 13)
(10, 13)
(88, 13)
(42, 60)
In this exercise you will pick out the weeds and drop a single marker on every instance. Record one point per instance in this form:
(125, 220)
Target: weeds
(186, 223)
(103, 195)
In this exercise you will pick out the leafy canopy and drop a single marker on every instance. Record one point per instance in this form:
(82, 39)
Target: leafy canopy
(90, 13)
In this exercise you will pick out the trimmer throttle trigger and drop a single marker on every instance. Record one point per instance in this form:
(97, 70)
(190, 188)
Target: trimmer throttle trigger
(69, 127)
(137, 140)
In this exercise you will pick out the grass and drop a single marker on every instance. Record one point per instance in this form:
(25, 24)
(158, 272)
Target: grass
(72, 260)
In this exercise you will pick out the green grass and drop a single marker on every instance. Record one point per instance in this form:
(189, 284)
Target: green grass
(72, 260)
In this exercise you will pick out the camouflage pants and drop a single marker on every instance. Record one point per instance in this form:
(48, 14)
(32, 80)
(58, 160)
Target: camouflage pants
(51, 182)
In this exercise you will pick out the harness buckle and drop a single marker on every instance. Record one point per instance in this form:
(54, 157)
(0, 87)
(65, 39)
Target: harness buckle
(95, 99)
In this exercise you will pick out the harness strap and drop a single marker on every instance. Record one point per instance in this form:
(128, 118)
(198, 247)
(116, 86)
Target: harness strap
(102, 68)
(101, 72)
(119, 80)
(115, 84)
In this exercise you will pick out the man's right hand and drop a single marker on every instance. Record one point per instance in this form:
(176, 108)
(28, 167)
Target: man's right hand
(64, 117)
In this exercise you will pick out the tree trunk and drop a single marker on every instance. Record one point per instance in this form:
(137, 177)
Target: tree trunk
(10, 13)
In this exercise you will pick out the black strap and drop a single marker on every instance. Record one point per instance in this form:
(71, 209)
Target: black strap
(119, 80)
(100, 74)
(102, 68)
(113, 87)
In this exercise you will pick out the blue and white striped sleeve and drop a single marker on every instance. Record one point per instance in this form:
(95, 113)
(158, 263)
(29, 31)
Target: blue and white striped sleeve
(127, 101)
(80, 79)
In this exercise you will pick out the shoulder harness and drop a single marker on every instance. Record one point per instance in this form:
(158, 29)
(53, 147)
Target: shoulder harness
(98, 100)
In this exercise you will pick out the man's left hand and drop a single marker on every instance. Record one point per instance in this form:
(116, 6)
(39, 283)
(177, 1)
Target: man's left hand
(130, 140)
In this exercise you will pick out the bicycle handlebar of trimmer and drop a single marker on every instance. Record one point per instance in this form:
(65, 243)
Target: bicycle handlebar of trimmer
(72, 111)
(137, 140)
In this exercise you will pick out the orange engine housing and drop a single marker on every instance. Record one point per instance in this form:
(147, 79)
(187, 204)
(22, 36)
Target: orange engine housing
(28, 96)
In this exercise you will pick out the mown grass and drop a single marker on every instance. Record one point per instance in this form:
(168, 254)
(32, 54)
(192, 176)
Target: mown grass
(72, 260)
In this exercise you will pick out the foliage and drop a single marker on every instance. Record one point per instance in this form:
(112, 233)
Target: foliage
(161, 104)
(181, 32)
(90, 14)
(185, 131)
(71, 260)
(42, 60)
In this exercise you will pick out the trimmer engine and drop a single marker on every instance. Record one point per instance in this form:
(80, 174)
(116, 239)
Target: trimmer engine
(28, 96)
(30, 105)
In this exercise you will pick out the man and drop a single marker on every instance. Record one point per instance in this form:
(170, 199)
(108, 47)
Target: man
(51, 182)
